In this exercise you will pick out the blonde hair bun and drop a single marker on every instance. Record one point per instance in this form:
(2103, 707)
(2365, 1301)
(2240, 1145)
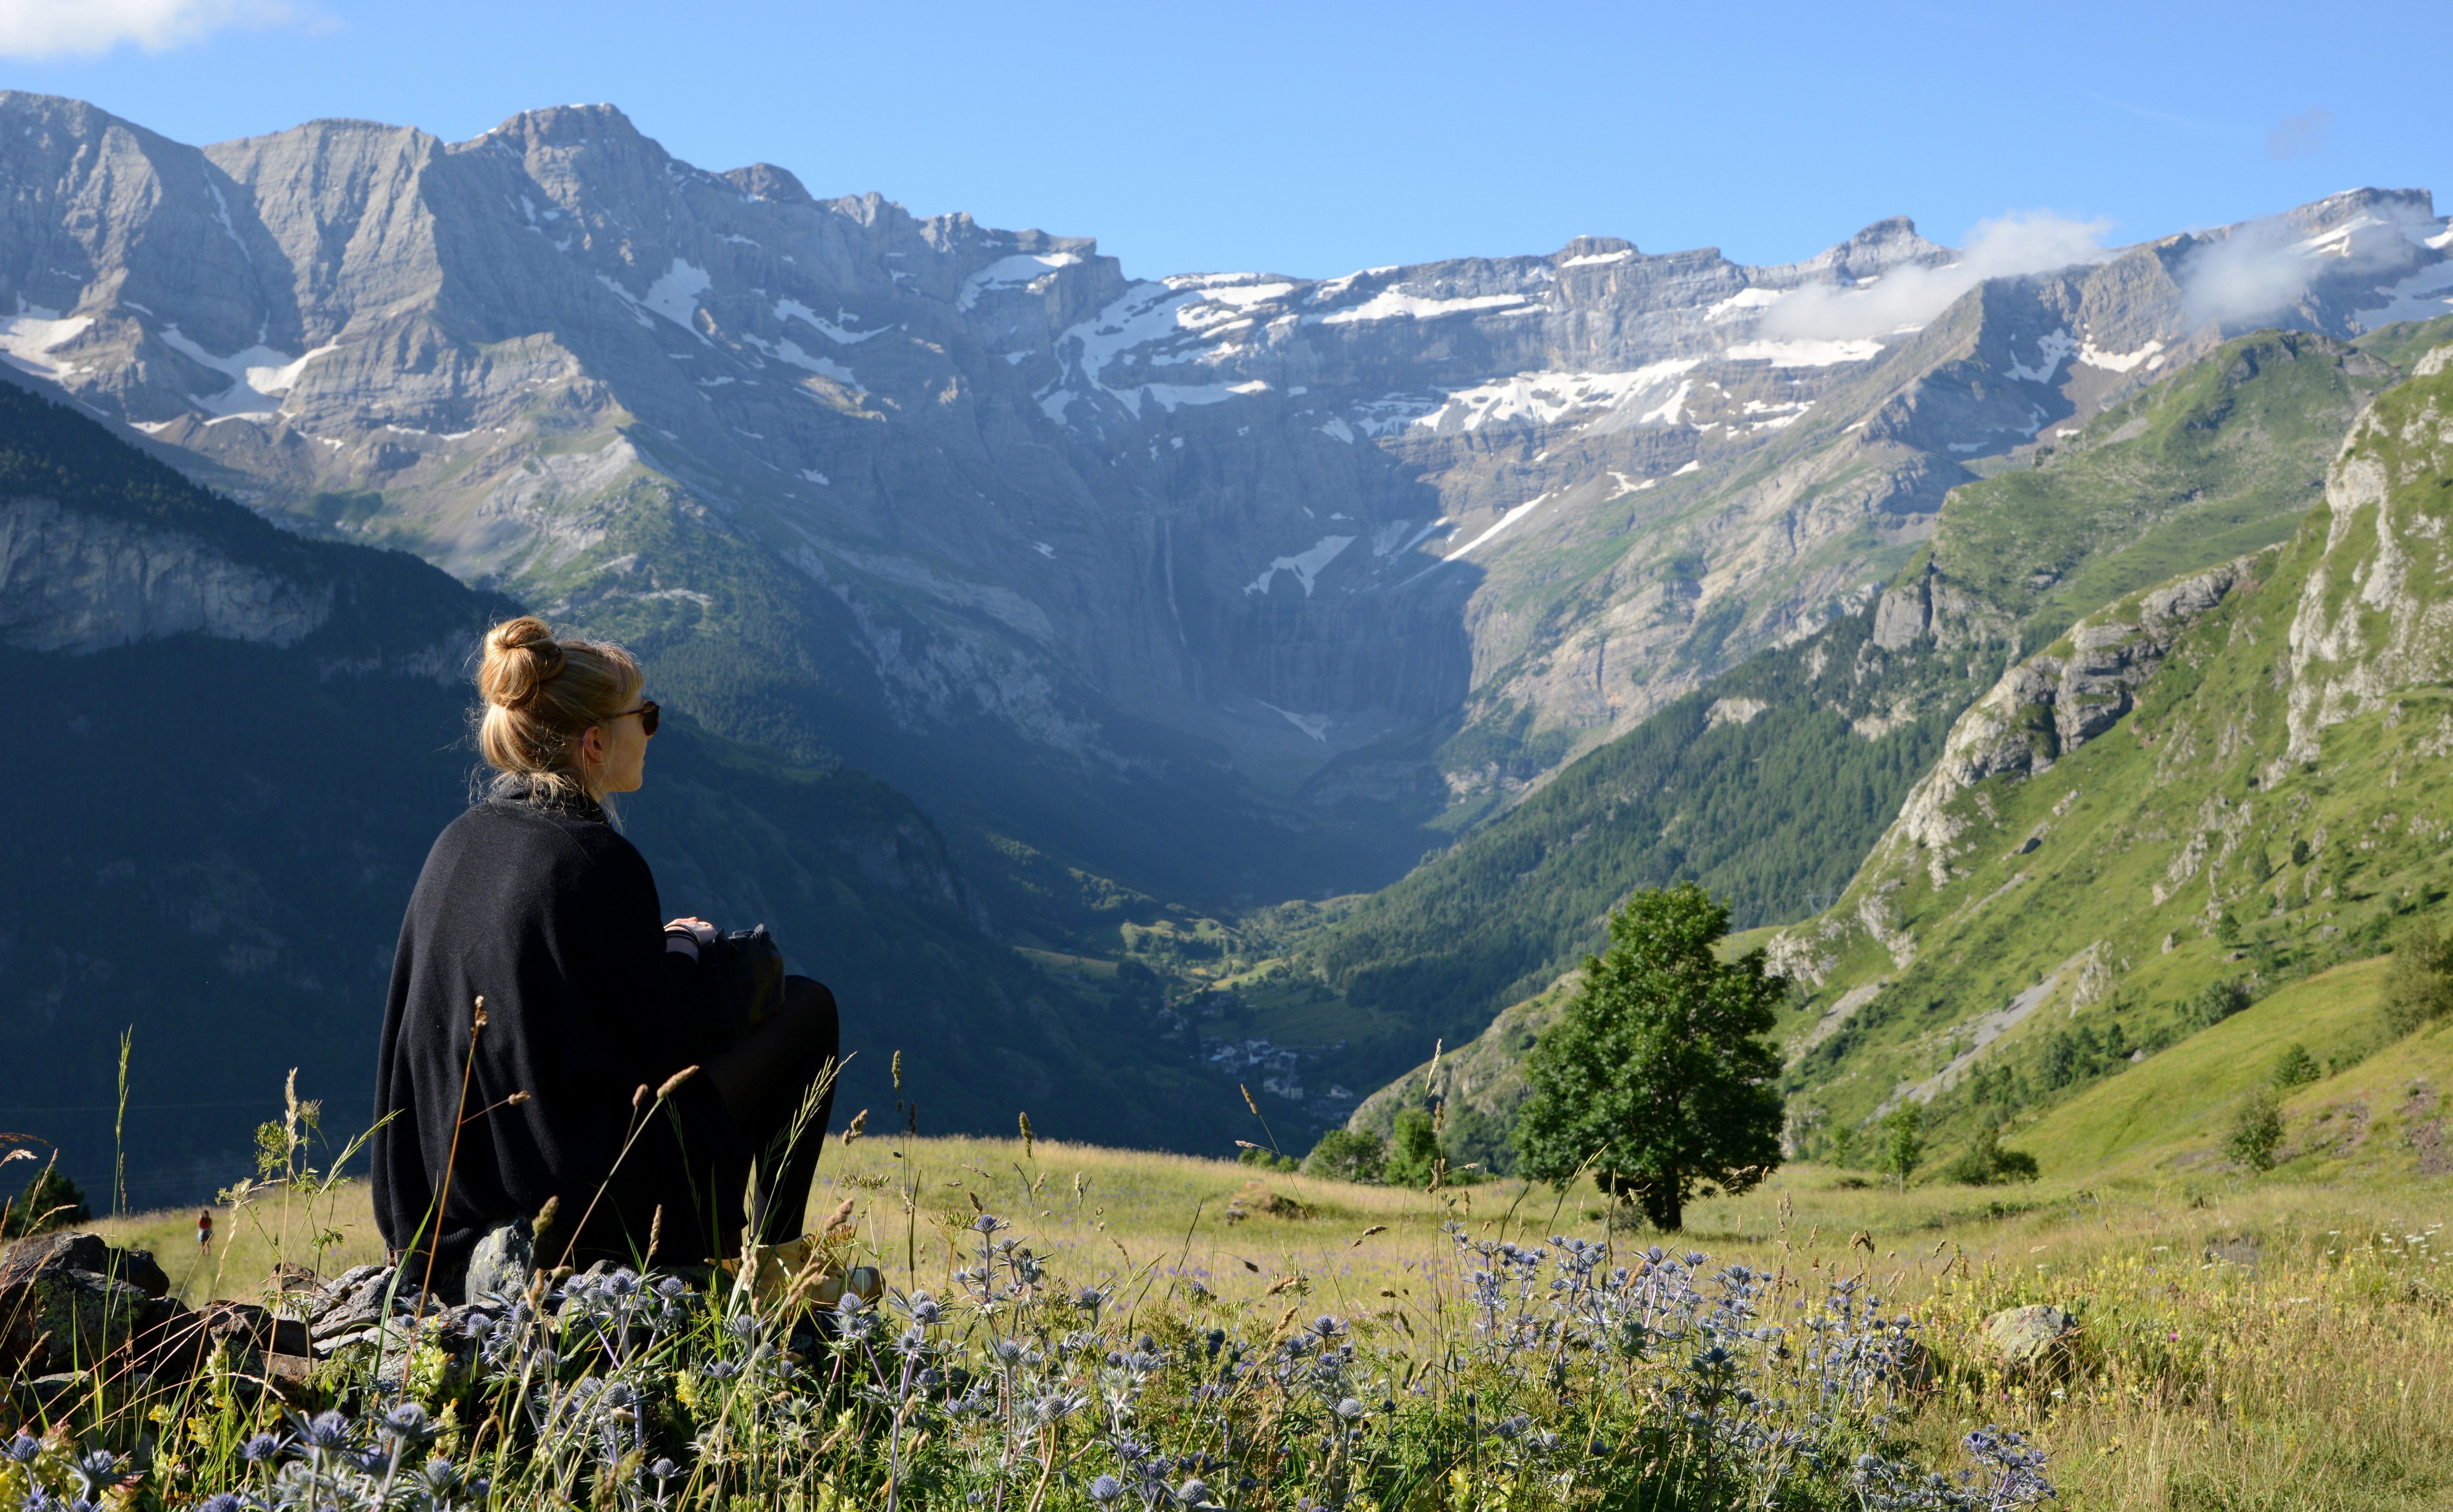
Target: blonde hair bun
(521, 657)
(541, 691)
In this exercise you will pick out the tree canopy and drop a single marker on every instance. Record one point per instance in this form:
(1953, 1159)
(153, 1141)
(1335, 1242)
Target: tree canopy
(1658, 1077)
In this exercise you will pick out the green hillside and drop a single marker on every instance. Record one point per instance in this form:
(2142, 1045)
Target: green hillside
(1773, 808)
(2277, 803)
(2218, 460)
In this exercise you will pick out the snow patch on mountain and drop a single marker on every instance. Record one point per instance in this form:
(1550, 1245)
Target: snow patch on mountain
(1394, 304)
(1742, 302)
(1513, 515)
(675, 295)
(1808, 352)
(1547, 397)
(2052, 348)
(260, 372)
(1307, 565)
(789, 350)
(1022, 270)
(2423, 295)
(2094, 356)
(795, 309)
(27, 338)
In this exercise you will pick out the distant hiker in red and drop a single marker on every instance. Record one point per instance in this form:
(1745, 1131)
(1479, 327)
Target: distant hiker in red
(595, 1008)
(205, 1229)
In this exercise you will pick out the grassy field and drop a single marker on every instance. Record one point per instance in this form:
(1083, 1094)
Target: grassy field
(2248, 1342)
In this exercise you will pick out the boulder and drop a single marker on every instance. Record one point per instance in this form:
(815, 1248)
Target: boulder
(503, 1263)
(253, 1335)
(68, 1300)
(2030, 1339)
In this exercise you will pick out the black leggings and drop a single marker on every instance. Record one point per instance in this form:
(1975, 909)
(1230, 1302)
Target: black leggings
(785, 1165)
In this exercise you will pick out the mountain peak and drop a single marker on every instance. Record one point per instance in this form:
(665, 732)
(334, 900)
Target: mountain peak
(570, 126)
(1595, 246)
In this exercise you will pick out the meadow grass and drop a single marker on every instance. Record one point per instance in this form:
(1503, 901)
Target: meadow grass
(2245, 1342)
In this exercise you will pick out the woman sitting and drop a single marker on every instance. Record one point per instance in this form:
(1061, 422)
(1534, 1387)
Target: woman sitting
(593, 1004)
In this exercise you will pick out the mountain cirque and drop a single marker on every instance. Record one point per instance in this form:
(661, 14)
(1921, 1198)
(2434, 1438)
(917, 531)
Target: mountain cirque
(1142, 531)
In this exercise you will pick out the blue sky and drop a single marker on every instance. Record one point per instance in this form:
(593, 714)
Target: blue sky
(1317, 138)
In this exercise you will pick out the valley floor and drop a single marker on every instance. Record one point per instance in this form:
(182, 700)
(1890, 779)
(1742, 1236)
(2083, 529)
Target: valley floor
(2247, 1342)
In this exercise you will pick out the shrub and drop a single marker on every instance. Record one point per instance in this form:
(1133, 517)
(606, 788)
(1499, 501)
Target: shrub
(1347, 1155)
(2294, 1066)
(2256, 1130)
(50, 1200)
(2218, 1002)
(1986, 1162)
(2419, 984)
(1265, 1160)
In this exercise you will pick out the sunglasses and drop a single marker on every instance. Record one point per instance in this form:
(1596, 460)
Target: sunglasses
(647, 713)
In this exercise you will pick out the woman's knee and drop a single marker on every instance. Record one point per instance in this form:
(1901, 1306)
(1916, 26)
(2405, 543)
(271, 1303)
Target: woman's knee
(812, 1007)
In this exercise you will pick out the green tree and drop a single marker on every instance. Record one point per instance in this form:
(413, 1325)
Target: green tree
(1657, 1077)
(2419, 984)
(1413, 1150)
(1346, 1155)
(2294, 1066)
(1904, 1141)
(2256, 1130)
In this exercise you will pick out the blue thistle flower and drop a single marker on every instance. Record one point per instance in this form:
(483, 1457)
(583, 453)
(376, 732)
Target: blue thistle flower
(326, 1432)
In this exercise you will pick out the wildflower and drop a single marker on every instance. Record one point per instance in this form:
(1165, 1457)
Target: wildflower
(326, 1432)
(1106, 1489)
(95, 1470)
(1194, 1493)
(23, 1449)
(259, 1448)
(407, 1424)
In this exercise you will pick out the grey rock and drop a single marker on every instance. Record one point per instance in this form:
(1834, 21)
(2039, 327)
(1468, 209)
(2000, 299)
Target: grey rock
(68, 1300)
(1903, 613)
(503, 1263)
(2027, 1338)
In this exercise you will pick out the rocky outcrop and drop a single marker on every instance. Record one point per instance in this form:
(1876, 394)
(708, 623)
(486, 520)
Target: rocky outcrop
(2055, 702)
(76, 581)
(2374, 615)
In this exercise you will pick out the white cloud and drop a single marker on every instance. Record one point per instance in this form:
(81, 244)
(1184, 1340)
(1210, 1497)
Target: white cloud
(2021, 242)
(51, 29)
(2253, 272)
(2260, 268)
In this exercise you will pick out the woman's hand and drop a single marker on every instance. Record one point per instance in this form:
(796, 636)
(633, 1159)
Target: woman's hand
(686, 934)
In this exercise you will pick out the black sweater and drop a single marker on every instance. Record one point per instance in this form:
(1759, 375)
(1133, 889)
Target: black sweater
(553, 917)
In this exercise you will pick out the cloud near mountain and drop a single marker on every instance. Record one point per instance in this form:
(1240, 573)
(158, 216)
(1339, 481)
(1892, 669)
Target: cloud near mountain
(1907, 298)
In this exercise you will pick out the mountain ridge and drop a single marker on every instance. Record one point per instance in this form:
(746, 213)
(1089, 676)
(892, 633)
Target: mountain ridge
(882, 484)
